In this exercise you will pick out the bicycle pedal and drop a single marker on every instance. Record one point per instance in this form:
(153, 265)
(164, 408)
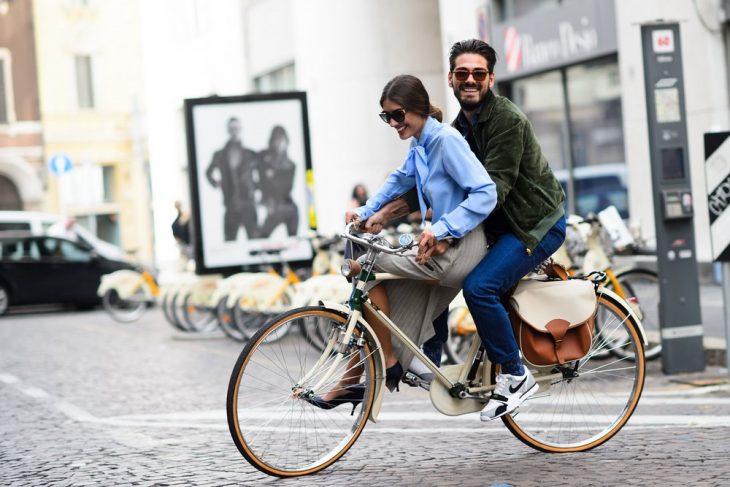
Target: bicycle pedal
(415, 381)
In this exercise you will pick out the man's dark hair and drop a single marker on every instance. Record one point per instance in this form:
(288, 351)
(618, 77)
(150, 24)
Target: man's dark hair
(473, 46)
(231, 120)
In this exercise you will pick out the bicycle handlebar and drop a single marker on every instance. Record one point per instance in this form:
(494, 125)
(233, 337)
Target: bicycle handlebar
(379, 243)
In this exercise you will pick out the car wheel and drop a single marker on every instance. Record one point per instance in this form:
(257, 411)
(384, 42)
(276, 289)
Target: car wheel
(4, 300)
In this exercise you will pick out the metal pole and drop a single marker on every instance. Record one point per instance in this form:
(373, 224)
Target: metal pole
(726, 300)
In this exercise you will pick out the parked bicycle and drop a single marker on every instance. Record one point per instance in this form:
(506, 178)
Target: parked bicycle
(126, 294)
(581, 403)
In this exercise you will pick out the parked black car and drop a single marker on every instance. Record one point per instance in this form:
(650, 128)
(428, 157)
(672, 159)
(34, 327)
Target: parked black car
(42, 269)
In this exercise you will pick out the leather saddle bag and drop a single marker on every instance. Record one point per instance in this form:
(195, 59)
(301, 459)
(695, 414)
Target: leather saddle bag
(553, 320)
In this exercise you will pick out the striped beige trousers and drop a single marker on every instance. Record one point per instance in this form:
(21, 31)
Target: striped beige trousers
(413, 304)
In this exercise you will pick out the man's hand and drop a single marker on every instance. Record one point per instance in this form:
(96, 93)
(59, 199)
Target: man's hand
(375, 223)
(429, 247)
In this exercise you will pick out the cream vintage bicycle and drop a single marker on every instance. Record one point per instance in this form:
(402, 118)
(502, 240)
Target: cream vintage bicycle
(580, 404)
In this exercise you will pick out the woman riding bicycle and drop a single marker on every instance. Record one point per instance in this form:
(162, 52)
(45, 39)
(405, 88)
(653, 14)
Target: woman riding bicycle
(451, 183)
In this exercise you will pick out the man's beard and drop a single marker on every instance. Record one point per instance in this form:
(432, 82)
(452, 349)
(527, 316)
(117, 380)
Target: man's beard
(472, 103)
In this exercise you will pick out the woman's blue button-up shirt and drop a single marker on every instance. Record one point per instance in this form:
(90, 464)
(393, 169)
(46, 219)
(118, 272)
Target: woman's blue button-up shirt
(448, 177)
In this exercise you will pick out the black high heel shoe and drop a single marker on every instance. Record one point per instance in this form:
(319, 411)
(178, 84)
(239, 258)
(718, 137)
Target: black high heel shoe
(392, 376)
(354, 394)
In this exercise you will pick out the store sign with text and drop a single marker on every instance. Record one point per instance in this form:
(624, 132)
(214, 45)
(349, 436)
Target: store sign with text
(553, 38)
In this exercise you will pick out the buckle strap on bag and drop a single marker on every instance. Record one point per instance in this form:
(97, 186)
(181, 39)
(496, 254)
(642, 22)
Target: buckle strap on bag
(558, 328)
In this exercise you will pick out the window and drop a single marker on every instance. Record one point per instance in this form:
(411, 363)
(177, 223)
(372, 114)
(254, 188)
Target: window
(3, 94)
(577, 118)
(594, 94)
(84, 82)
(541, 99)
(107, 174)
(281, 79)
(71, 252)
(14, 226)
(9, 195)
(510, 9)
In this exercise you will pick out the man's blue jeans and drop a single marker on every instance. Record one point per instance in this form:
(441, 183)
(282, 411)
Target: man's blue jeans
(504, 265)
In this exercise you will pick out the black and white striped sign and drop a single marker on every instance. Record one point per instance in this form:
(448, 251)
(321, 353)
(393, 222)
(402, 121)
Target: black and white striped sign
(717, 177)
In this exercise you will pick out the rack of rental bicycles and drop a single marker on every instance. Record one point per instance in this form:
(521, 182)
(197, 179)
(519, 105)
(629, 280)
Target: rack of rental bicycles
(241, 303)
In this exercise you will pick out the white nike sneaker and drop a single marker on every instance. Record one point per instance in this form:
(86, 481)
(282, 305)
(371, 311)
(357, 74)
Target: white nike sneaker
(510, 392)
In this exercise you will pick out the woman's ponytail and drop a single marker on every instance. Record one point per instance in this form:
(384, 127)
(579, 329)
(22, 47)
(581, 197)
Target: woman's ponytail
(436, 113)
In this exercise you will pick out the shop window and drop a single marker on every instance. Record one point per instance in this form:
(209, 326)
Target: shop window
(278, 80)
(594, 96)
(541, 99)
(577, 118)
(84, 82)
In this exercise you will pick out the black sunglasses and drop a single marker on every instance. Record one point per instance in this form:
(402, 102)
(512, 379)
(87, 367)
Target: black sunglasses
(478, 74)
(399, 114)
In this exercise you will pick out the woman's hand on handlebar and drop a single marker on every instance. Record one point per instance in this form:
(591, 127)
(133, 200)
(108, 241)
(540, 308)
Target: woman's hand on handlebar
(351, 216)
(373, 225)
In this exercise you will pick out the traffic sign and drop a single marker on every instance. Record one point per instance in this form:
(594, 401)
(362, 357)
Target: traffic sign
(717, 177)
(60, 164)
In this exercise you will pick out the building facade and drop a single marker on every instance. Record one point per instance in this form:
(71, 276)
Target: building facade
(21, 142)
(92, 108)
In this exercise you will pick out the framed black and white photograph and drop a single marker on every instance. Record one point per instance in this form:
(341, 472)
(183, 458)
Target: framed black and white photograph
(248, 162)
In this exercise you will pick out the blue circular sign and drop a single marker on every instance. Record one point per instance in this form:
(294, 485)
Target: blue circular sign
(60, 164)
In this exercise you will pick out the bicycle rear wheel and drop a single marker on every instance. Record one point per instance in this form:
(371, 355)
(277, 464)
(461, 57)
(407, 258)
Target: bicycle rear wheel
(277, 431)
(641, 286)
(584, 403)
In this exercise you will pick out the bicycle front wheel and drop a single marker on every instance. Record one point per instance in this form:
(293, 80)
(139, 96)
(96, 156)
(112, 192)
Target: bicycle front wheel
(124, 310)
(274, 427)
(582, 404)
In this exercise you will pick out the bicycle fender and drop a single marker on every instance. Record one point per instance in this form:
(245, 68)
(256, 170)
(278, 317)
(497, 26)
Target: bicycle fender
(637, 321)
(379, 358)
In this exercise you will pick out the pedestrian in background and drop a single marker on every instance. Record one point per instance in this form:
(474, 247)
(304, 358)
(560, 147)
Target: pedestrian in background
(181, 232)
(359, 196)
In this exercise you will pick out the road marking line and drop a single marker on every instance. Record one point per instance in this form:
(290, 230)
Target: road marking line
(34, 392)
(9, 379)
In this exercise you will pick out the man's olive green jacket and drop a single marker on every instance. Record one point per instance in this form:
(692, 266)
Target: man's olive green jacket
(528, 192)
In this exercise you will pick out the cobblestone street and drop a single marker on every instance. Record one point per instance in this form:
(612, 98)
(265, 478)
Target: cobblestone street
(87, 401)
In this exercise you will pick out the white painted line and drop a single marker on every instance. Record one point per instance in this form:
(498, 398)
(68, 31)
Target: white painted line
(9, 379)
(33, 392)
(695, 391)
(74, 412)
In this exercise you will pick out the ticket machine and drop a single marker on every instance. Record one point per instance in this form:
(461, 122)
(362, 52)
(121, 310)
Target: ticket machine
(679, 307)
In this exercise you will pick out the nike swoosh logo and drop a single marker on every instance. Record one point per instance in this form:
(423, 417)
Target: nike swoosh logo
(512, 390)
